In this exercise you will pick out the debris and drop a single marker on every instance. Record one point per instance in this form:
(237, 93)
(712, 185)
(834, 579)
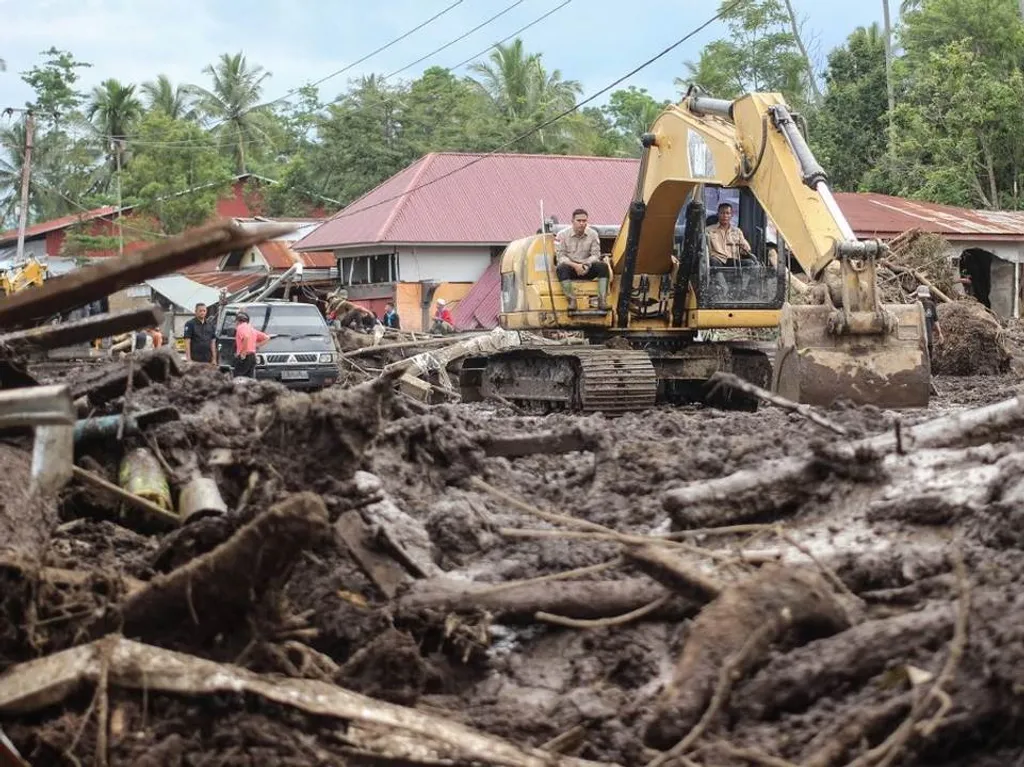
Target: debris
(92, 283)
(386, 574)
(154, 513)
(142, 475)
(215, 587)
(200, 498)
(974, 342)
(48, 681)
(46, 337)
(810, 413)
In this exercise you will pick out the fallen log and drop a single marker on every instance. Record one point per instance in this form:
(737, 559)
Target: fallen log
(48, 337)
(784, 484)
(549, 443)
(213, 589)
(38, 684)
(672, 572)
(146, 367)
(764, 606)
(520, 604)
(831, 665)
(92, 283)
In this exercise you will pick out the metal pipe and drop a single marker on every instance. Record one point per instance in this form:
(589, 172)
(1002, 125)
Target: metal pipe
(811, 172)
(293, 270)
(705, 105)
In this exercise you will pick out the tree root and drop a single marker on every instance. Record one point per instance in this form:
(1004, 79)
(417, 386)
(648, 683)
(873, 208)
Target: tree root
(803, 598)
(217, 586)
(827, 666)
(588, 600)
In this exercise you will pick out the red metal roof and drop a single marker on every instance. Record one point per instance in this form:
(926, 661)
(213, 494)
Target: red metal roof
(879, 215)
(480, 307)
(319, 259)
(57, 224)
(277, 254)
(450, 197)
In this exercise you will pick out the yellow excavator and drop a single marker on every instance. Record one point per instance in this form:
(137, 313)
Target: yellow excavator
(650, 345)
(24, 275)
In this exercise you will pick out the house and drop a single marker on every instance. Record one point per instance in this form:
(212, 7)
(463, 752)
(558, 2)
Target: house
(432, 230)
(438, 226)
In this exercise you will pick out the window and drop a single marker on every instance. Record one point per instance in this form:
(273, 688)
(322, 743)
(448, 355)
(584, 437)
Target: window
(368, 270)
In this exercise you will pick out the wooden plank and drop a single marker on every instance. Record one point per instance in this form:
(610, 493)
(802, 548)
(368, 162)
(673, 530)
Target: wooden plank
(386, 574)
(83, 331)
(92, 283)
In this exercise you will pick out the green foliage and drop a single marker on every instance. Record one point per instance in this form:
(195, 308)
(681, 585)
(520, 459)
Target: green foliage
(173, 156)
(632, 112)
(761, 54)
(849, 131)
(53, 84)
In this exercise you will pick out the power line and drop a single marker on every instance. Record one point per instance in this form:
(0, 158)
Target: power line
(546, 123)
(506, 39)
(460, 38)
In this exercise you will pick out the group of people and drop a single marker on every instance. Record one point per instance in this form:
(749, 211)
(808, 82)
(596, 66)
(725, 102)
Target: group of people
(200, 334)
(344, 313)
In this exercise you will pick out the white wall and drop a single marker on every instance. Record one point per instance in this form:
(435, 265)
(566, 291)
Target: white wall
(443, 263)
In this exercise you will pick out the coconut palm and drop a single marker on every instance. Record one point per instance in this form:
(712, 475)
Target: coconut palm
(519, 85)
(113, 110)
(233, 103)
(175, 101)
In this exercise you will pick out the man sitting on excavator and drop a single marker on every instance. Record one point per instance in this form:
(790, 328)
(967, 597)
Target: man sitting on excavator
(726, 244)
(578, 257)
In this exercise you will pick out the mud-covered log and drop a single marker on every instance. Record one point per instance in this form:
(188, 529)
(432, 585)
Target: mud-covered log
(829, 666)
(583, 600)
(549, 443)
(786, 597)
(669, 570)
(27, 519)
(784, 484)
(119, 662)
(213, 589)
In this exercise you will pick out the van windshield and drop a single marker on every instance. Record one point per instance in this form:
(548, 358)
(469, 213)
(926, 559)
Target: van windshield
(296, 320)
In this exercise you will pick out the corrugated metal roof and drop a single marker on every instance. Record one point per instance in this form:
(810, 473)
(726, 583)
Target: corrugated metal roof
(230, 281)
(277, 254)
(182, 291)
(480, 307)
(56, 224)
(880, 215)
(476, 198)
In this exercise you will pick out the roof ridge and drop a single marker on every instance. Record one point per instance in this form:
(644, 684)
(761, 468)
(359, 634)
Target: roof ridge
(536, 155)
(403, 198)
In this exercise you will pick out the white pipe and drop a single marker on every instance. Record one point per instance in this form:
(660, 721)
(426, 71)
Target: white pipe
(837, 213)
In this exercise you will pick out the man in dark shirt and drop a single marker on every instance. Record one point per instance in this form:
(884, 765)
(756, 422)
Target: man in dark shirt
(931, 316)
(201, 338)
(391, 317)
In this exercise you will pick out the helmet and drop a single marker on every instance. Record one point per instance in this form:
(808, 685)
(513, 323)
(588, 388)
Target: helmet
(923, 291)
(441, 302)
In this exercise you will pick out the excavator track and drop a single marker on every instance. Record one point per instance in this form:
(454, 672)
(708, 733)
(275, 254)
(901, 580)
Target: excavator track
(579, 379)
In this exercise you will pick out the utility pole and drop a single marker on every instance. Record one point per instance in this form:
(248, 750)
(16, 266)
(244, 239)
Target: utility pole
(888, 66)
(26, 172)
(117, 160)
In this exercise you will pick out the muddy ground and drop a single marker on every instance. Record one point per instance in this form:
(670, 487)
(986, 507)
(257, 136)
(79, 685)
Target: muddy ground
(882, 624)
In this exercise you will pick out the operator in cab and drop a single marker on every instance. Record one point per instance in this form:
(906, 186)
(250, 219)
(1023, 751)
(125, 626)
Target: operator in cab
(578, 257)
(727, 245)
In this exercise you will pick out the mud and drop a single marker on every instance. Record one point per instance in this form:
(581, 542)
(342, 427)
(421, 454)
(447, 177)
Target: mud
(974, 341)
(493, 663)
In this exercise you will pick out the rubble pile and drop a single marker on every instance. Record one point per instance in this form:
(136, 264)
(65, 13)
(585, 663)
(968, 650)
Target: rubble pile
(389, 582)
(975, 342)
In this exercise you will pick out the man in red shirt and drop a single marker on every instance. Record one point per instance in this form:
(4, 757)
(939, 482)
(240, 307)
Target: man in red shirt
(443, 321)
(247, 340)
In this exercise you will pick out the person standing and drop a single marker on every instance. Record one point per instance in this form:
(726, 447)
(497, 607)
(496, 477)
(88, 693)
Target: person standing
(931, 316)
(200, 337)
(247, 340)
(391, 319)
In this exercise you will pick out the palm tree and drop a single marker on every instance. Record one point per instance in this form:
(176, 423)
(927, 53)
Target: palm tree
(173, 101)
(234, 102)
(519, 85)
(113, 110)
(12, 139)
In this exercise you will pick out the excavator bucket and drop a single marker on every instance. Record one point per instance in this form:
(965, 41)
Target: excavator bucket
(816, 366)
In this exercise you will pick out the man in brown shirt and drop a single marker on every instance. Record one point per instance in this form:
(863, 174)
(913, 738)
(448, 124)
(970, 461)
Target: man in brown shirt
(578, 257)
(726, 243)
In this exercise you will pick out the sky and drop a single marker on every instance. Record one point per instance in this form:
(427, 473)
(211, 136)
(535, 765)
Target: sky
(300, 41)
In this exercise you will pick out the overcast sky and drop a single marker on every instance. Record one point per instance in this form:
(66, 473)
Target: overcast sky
(298, 41)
